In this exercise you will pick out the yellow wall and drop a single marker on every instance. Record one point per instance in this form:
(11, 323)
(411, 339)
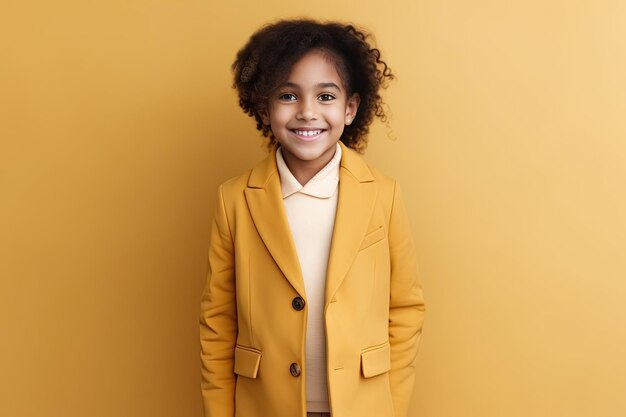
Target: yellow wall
(117, 122)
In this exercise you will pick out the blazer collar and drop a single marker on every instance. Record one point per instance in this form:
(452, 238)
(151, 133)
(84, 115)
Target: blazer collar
(357, 197)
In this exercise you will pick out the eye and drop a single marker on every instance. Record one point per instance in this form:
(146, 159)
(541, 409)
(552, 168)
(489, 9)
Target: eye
(326, 97)
(287, 97)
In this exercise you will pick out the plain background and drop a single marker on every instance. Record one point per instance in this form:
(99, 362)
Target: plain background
(117, 122)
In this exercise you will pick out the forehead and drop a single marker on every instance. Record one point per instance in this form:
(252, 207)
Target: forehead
(315, 67)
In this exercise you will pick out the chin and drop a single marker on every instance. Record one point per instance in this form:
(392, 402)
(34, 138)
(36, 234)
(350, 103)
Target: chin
(307, 156)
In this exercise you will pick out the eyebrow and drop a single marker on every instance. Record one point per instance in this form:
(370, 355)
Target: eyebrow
(320, 85)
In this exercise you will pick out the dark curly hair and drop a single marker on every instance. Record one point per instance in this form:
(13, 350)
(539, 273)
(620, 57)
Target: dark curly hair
(266, 60)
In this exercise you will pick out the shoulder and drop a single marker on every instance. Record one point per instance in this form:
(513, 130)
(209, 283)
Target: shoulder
(357, 167)
(381, 178)
(235, 185)
(256, 177)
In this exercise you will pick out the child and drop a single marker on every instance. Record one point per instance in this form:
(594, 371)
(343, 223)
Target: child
(312, 303)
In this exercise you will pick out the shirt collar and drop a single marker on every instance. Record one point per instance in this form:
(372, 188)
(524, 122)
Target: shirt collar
(322, 185)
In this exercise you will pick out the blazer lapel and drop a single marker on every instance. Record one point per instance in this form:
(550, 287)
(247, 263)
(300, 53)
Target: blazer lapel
(265, 203)
(357, 195)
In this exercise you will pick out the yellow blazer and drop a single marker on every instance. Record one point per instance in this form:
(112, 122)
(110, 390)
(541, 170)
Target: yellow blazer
(253, 320)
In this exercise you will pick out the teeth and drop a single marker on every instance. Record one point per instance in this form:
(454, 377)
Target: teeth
(308, 132)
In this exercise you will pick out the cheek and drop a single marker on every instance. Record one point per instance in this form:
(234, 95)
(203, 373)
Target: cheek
(338, 116)
(279, 116)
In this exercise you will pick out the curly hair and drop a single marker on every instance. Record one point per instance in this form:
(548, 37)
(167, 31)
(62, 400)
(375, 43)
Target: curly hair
(266, 60)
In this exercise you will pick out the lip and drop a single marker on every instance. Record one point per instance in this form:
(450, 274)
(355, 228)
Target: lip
(307, 138)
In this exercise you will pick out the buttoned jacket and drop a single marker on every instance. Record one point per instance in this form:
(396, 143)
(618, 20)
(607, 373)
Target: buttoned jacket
(254, 310)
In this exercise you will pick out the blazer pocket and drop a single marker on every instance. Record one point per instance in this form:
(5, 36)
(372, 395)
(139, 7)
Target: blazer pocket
(376, 360)
(247, 361)
(373, 237)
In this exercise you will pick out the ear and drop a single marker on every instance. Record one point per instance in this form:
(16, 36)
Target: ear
(352, 106)
(265, 116)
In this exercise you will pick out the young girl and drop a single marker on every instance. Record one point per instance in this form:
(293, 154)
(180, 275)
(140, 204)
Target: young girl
(312, 303)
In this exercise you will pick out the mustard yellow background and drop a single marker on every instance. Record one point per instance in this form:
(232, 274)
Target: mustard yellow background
(117, 122)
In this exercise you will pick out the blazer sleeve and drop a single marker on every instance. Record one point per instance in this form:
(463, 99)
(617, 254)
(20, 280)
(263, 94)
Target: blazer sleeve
(406, 308)
(218, 320)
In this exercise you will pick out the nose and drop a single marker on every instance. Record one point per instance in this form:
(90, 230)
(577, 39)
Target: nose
(306, 111)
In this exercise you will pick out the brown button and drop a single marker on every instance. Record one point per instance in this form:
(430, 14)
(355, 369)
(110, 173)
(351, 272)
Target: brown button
(295, 369)
(297, 303)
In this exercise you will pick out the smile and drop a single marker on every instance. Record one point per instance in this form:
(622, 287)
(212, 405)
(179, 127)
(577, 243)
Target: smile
(307, 133)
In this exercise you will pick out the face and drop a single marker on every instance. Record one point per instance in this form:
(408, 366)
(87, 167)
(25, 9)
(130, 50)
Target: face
(309, 111)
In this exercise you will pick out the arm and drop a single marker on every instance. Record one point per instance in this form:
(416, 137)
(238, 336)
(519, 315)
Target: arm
(218, 321)
(406, 308)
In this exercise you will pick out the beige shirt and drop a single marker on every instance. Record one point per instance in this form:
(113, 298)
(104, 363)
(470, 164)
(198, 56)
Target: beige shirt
(311, 213)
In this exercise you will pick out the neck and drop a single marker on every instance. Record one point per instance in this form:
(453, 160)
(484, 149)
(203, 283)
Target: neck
(303, 170)
(303, 174)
